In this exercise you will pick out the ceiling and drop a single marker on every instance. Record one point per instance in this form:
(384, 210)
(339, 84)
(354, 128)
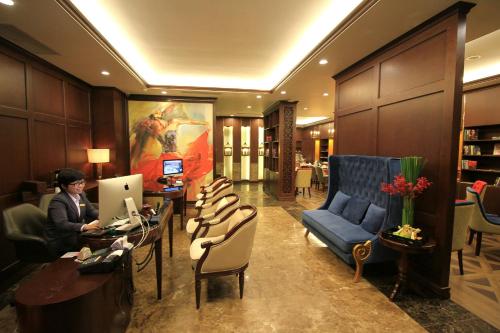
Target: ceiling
(236, 47)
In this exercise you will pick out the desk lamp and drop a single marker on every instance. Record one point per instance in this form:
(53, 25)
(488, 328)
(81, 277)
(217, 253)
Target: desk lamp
(98, 156)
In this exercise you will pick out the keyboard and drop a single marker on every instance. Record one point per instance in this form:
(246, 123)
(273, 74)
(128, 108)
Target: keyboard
(120, 222)
(95, 233)
(128, 226)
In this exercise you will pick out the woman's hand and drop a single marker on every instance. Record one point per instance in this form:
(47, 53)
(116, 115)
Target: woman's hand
(94, 225)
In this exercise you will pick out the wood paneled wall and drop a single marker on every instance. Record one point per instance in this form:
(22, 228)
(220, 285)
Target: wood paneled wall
(308, 142)
(236, 123)
(45, 124)
(482, 105)
(405, 99)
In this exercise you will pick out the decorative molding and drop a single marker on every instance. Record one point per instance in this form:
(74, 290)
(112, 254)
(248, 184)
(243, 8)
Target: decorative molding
(288, 154)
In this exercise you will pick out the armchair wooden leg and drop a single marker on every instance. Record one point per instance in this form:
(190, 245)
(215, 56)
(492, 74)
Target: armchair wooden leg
(242, 283)
(471, 236)
(479, 238)
(307, 233)
(460, 262)
(198, 292)
(309, 190)
(303, 192)
(361, 252)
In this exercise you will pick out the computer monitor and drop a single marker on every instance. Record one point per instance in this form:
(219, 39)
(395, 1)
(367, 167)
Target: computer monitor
(172, 167)
(112, 195)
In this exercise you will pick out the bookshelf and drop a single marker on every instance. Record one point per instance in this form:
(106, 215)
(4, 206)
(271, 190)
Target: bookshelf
(279, 150)
(323, 150)
(481, 154)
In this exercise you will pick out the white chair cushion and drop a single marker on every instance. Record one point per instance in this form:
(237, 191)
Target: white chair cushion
(199, 196)
(196, 251)
(222, 203)
(235, 219)
(191, 226)
(199, 203)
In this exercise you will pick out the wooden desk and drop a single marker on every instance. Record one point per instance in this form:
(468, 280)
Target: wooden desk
(405, 250)
(155, 236)
(59, 299)
(179, 198)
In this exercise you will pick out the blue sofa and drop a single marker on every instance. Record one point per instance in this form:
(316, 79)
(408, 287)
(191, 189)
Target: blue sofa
(355, 209)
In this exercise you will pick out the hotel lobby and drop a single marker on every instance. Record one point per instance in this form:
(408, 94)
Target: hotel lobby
(302, 113)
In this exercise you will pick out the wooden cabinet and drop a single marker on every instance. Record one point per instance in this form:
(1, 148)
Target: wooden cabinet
(481, 154)
(323, 150)
(279, 150)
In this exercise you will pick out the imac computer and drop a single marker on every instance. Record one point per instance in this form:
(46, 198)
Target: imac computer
(114, 202)
(172, 168)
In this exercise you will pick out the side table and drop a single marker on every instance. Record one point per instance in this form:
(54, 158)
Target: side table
(405, 250)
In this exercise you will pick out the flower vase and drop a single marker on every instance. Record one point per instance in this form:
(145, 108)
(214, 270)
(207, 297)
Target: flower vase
(408, 209)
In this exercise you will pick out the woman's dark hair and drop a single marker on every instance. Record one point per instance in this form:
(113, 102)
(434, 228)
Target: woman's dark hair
(67, 176)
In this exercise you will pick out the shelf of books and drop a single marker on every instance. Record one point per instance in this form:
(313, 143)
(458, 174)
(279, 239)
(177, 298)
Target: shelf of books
(481, 154)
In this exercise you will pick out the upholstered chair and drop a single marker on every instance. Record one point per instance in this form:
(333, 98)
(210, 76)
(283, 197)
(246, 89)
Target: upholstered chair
(303, 180)
(45, 201)
(212, 215)
(228, 253)
(321, 179)
(226, 187)
(208, 188)
(463, 212)
(480, 187)
(24, 226)
(480, 221)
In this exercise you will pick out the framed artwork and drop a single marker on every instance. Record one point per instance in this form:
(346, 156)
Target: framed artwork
(171, 130)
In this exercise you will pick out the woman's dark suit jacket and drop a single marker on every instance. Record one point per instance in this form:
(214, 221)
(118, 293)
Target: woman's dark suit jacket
(64, 223)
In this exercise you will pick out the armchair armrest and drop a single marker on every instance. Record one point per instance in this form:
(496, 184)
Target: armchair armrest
(207, 216)
(213, 241)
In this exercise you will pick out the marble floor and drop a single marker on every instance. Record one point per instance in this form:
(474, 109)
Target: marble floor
(293, 284)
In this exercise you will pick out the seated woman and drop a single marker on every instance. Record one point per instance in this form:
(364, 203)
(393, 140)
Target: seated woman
(69, 213)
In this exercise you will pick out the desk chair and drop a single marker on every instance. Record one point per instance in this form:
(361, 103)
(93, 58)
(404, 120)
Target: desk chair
(228, 253)
(303, 180)
(463, 212)
(480, 221)
(24, 226)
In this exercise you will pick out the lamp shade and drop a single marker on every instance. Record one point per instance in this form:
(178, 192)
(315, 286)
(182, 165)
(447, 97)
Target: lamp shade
(98, 155)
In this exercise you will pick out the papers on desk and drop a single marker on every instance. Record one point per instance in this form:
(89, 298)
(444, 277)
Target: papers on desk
(70, 254)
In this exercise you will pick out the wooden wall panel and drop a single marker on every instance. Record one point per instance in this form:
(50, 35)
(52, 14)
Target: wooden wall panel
(254, 140)
(236, 141)
(409, 69)
(14, 147)
(417, 113)
(357, 90)
(77, 103)
(13, 82)
(481, 106)
(357, 133)
(50, 152)
(47, 93)
(218, 140)
(79, 141)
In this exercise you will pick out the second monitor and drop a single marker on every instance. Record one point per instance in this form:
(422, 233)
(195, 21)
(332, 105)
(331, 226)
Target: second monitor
(172, 167)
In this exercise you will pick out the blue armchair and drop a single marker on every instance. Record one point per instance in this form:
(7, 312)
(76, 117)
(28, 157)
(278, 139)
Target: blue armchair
(355, 210)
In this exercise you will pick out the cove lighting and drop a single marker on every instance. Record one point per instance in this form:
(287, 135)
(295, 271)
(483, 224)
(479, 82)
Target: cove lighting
(308, 120)
(482, 72)
(7, 2)
(105, 73)
(115, 24)
(323, 62)
(473, 57)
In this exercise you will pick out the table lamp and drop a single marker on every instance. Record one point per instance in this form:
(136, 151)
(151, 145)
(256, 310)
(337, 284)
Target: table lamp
(98, 156)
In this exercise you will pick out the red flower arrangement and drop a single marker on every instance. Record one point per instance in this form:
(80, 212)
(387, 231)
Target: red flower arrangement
(402, 188)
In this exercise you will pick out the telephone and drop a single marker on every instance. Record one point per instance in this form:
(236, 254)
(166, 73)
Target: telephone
(103, 261)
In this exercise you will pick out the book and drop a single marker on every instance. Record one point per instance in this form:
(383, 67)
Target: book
(497, 181)
(496, 149)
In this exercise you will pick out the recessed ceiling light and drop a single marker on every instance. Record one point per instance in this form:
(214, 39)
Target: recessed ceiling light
(283, 92)
(259, 96)
(231, 115)
(473, 57)
(249, 106)
(7, 2)
(106, 73)
(323, 62)
(325, 94)
(164, 92)
(305, 109)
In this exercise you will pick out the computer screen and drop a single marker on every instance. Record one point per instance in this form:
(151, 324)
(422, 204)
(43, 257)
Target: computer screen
(172, 167)
(112, 195)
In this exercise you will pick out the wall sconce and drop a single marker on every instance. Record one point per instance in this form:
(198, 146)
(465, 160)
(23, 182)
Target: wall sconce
(261, 150)
(245, 150)
(315, 133)
(228, 150)
(98, 156)
(331, 131)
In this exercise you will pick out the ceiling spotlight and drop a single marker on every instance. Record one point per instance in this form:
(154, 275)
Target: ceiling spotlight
(323, 62)
(7, 2)
(325, 94)
(259, 96)
(305, 109)
(164, 92)
(473, 57)
(231, 115)
(106, 73)
(249, 106)
(283, 92)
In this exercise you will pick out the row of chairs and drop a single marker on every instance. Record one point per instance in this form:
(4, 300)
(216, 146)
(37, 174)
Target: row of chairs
(221, 234)
(306, 177)
(471, 214)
